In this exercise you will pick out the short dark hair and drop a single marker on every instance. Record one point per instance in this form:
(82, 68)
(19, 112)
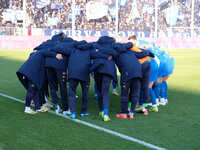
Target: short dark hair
(133, 37)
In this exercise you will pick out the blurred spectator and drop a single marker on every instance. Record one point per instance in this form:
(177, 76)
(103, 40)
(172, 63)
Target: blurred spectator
(10, 12)
(133, 14)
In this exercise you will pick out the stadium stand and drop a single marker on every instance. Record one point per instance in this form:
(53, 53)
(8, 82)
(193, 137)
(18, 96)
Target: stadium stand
(133, 15)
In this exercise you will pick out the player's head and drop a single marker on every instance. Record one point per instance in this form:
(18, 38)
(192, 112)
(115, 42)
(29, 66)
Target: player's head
(133, 39)
(63, 36)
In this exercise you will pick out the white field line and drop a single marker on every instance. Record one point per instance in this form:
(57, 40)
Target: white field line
(123, 136)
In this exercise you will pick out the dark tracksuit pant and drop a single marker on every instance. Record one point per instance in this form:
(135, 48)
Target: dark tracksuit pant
(33, 94)
(103, 82)
(73, 83)
(145, 83)
(134, 86)
(46, 91)
(61, 78)
(42, 96)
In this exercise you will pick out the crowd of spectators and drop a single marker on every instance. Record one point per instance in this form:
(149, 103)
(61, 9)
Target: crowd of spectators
(10, 5)
(133, 14)
(105, 23)
(54, 15)
(197, 13)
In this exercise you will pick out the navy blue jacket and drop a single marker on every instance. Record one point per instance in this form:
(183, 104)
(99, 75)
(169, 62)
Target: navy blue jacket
(127, 62)
(50, 43)
(80, 52)
(57, 37)
(65, 47)
(33, 69)
(97, 58)
(104, 45)
(43, 45)
(79, 62)
(53, 62)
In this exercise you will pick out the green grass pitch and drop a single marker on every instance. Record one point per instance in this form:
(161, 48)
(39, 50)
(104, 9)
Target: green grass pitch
(175, 127)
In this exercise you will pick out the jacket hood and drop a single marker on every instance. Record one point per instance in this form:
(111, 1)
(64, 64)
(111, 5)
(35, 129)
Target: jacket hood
(121, 48)
(57, 37)
(129, 45)
(106, 40)
(82, 45)
(68, 40)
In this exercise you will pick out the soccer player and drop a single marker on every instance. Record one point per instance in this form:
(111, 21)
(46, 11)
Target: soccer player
(166, 72)
(131, 74)
(153, 79)
(146, 64)
(32, 76)
(57, 71)
(105, 74)
(79, 74)
(114, 85)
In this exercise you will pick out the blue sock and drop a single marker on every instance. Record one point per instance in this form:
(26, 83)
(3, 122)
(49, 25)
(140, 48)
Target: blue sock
(114, 84)
(157, 89)
(153, 96)
(162, 90)
(55, 105)
(73, 115)
(165, 89)
(105, 111)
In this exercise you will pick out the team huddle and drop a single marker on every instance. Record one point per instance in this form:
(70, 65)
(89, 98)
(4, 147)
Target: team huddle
(143, 68)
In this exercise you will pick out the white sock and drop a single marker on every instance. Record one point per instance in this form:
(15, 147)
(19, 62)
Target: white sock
(157, 100)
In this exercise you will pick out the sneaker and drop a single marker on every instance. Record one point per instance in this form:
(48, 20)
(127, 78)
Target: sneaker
(101, 114)
(138, 108)
(67, 112)
(166, 101)
(84, 114)
(114, 92)
(131, 115)
(48, 105)
(106, 118)
(30, 111)
(148, 104)
(162, 102)
(40, 110)
(121, 115)
(145, 112)
(43, 109)
(154, 109)
(73, 116)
